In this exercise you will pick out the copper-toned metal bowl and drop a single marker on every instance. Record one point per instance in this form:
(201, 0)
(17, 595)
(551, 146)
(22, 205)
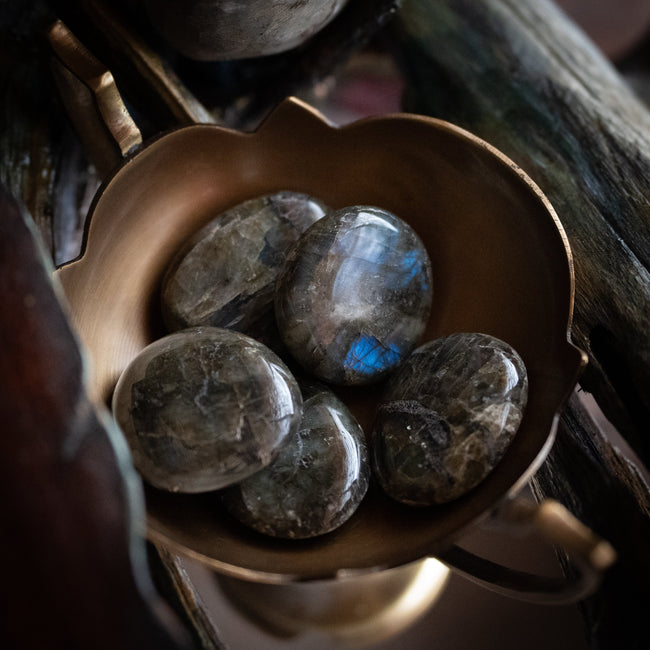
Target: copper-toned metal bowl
(501, 265)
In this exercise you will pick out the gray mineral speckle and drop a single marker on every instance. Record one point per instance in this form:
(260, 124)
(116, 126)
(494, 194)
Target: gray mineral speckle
(447, 418)
(205, 408)
(224, 275)
(316, 482)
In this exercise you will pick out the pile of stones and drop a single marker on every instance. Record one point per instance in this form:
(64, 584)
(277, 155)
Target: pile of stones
(271, 307)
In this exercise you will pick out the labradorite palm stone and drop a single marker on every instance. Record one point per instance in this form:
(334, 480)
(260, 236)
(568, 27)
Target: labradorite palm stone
(317, 480)
(447, 418)
(224, 275)
(354, 295)
(204, 408)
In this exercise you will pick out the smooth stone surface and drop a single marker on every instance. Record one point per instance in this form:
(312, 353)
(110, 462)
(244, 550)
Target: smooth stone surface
(218, 30)
(447, 417)
(204, 408)
(354, 296)
(224, 275)
(318, 479)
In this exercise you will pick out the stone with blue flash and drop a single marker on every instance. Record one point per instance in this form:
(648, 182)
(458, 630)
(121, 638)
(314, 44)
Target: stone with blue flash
(354, 296)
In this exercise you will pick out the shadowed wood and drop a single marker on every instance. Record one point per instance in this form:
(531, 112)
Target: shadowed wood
(59, 460)
(614, 504)
(521, 75)
(171, 580)
(527, 80)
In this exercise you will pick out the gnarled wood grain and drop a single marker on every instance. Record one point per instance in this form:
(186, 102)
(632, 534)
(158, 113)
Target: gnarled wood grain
(520, 75)
(598, 484)
(523, 77)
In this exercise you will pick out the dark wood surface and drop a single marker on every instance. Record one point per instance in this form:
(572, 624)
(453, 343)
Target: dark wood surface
(520, 75)
(515, 72)
(74, 572)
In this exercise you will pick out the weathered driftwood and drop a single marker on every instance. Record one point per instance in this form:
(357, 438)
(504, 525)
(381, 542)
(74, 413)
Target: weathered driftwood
(41, 161)
(520, 75)
(599, 485)
(27, 166)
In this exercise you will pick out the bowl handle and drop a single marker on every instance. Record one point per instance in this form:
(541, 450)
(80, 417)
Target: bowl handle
(588, 554)
(92, 101)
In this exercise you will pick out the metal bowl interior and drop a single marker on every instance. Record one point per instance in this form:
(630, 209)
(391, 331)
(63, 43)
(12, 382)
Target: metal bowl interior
(501, 266)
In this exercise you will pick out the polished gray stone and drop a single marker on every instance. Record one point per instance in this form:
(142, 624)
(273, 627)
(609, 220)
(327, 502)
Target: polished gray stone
(224, 275)
(447, 417)
(204, 408)
(354, 296)
(318, 479)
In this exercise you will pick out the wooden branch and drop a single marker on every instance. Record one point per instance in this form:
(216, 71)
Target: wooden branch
(41, 161)
(618, 508)
(27, 164)
(520, 75)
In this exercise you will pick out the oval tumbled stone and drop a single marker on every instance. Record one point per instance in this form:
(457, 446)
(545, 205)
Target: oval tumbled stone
(447, 417)
(317, 480)
(354, 296)
(204, 408)
(224, 275)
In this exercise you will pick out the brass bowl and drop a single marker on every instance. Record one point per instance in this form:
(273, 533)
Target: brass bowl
(501, 265)
(353, 613)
